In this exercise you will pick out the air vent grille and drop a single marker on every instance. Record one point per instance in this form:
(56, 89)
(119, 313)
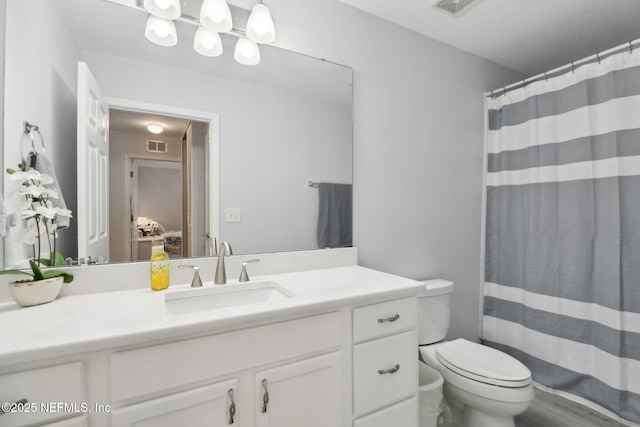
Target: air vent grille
(451, 6)
(157, 147)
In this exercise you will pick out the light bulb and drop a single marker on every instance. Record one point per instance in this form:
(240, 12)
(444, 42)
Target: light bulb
(207, 42)
(155, 128)
(165, 9)
(163, 4)
(160, 31)
(260, 26)
(216, 15)
(247, 52)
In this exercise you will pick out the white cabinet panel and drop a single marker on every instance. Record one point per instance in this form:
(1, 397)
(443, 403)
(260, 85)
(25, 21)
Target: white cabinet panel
(384, 371)
(301, 394)
(57, 384)
(139, 372)
(403, 414)
(209, 406)
(385, 318)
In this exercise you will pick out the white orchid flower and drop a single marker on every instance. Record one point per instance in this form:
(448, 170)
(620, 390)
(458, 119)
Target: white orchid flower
(47, 211)
(24, 176)
(31, 190)
(44, 179)
(64, 212)
(29, 234)
(50, 193)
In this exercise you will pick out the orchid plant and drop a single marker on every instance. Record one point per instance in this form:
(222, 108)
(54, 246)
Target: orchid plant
(34, 205)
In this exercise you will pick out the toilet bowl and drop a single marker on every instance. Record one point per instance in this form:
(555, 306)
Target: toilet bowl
(487, 385)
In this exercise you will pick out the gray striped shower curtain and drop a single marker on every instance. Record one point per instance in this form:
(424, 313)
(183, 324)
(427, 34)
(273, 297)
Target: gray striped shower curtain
(562, 244)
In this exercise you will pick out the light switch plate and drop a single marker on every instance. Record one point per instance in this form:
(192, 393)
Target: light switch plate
(232, 215)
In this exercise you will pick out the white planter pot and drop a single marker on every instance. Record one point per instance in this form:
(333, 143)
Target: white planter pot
(38, 292)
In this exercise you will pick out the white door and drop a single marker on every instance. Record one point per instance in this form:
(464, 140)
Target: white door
(209, 406)
(301, 394)
(93, 168)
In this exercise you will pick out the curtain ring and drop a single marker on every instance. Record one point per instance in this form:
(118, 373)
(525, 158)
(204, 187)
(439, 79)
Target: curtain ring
(546, 77)
(630, 47)
(524, 83)
(598, 56)
(573, 67)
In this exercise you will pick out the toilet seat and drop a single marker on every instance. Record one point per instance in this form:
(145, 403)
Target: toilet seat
(483, 364)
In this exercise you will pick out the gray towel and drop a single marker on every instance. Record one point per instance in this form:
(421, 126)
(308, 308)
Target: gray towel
(334, 215)
(42, 164)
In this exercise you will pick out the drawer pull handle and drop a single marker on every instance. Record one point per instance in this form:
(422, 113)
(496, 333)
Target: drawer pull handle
(232, 406)
(265, 396)
(389, 319)
(389, 371)
(19, 402)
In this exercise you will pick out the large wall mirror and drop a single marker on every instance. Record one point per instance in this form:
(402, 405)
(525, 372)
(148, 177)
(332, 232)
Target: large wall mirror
(239, 147)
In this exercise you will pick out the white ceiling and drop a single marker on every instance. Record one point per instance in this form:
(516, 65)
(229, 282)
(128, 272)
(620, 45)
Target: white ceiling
(530, 36)
(131, 121)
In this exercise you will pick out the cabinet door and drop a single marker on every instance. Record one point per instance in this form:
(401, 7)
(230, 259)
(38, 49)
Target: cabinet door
(302, 394)
(210, 406)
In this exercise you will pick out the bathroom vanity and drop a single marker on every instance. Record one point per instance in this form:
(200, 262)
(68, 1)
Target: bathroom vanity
(338, 350)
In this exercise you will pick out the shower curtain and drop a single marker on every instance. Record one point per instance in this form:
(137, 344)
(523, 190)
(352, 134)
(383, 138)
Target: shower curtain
(562, 246)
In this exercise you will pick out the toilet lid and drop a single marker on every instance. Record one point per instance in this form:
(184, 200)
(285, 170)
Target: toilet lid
(483, 364)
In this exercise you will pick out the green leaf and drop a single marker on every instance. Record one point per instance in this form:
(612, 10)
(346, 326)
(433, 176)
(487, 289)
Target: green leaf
(57, 258)
(11, 171)
(37, 273)
(48, 274)
(15, 272)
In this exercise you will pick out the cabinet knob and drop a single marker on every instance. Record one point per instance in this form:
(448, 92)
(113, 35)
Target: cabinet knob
(389, 371)
(389, 319)
(265, 396)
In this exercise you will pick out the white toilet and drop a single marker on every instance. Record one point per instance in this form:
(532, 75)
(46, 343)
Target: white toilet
(489, 386)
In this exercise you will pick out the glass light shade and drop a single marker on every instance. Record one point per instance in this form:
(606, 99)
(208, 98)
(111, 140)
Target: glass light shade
(247, 52)
(207, 42)
(216, 15)
(155, 128)
(260, 27)
(161, 31)
(165, 9)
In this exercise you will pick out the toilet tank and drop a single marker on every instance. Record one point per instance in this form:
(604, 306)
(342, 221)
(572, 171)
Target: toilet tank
(434, 310)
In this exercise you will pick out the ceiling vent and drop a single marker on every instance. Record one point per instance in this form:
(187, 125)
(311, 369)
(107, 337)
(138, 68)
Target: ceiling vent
(452, 7)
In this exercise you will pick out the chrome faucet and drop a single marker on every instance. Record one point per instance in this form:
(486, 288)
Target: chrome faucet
(221, 274)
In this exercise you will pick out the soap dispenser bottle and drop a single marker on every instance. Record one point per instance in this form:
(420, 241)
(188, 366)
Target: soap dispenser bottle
(159, 268)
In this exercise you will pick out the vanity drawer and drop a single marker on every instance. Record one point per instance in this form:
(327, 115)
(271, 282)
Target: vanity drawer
(403, 414)
(376, 382)
(47, 386)
(385, 318)
(140, 372)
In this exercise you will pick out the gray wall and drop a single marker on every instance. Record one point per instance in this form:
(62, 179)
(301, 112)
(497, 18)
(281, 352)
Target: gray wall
(160, 196)
(121, 145)
(418, 142)
(42, 91)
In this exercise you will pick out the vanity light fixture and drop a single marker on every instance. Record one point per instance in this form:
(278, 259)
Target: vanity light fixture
(216, 15)
(161, 31)
(165, 9)
(207, 42)
(155, 128)
(247, 52)
(260, 28)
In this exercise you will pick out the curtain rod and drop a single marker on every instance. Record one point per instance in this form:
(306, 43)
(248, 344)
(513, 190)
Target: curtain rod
(564, 69)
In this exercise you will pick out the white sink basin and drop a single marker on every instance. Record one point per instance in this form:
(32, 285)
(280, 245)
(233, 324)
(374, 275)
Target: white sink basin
(212, 297)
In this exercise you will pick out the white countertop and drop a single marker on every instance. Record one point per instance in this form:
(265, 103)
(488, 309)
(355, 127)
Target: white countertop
(84, 323)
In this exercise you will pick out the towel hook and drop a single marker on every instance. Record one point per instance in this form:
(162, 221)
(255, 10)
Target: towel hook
(29, 129)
